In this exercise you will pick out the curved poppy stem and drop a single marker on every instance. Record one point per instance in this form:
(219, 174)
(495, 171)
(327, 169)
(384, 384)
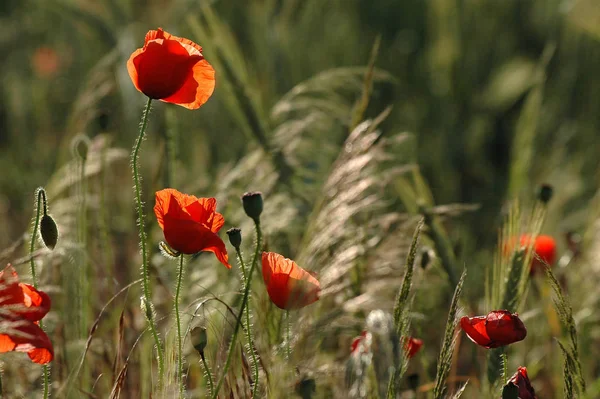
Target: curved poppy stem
(504, 367)
(142, 234)
(241, 312)
(248, 324)
(177, 316)
(40, 204)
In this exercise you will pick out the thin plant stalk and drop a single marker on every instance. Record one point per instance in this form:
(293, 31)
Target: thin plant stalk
(209, 376)
(288, 350)
(41, 199)
(142, 234)
(178, 318)
(248, 324)
(241, 312)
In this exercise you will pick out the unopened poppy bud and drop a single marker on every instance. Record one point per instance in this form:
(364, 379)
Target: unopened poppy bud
(545, 193)
(49, 231)
(199, 339)
(253, 204)
(235, 237)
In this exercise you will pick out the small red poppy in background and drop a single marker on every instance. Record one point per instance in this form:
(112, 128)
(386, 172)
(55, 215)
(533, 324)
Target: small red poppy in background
(521, 380)
(21, 308)
(412, 346)
(498, 328)
(172, 69)
(190, 224)
(289, 286)
(45, 62)
(356, 341)
(544, 247)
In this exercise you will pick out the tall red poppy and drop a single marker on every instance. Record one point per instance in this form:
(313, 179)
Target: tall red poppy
(289, 286)
(544, 247)
(498, 328)
(412, 346)
(190, 224)
(172, 69)
(521, 380)
(21, 308)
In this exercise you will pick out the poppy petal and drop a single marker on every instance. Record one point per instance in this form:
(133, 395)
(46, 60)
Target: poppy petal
(197, 88)
(28, 337)
(215, 245)
(37, 303)
(474, 327)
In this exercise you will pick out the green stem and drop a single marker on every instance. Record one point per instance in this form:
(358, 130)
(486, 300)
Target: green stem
(41, 199)
(241, 312)
(248, 324)
(177, 316)
(142, 233)
(288, 350)
(208, 374)
(504, 367)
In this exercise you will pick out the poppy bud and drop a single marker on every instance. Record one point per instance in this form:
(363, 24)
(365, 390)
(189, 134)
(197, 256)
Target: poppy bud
(199, 339)
(235, 237)
(427, 256)
(253, 204)
(49, 231)
(545, 193)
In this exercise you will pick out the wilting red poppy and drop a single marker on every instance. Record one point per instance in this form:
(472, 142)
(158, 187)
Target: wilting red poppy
(521, 380)
(412, 346)
(498, 328)
(172, 69)
(21, 308)
(289, 286)
(190, 224)
(544, 247)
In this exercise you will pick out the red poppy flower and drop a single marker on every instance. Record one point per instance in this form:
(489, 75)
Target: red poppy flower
(412, 346)
(544, 247)
(172, 69)
(190, 224)
(498, 328)
(21, 307)
(289, 286)
(521, 380)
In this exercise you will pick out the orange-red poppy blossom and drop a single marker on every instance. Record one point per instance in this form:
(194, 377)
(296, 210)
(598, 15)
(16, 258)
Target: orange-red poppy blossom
(190, 225)
(521, 380)
(412, 346)
(21, 308)
(498, 328)
(289, 286)
(172, 69)
(544, 247)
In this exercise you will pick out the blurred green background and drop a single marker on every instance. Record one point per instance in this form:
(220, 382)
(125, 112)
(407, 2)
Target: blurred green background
(497, 97)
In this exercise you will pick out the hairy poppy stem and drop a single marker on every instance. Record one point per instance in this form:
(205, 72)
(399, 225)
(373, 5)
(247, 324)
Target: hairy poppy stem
(241, 312)
(41, 202)
(288, 350)
(177, 316)
(208, 373)
(142, 233)
(248, 324)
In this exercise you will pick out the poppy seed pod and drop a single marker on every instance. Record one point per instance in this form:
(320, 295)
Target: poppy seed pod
(253, 204)
(545, 193)
(199, 339)
(235, 237)
(49, 231)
